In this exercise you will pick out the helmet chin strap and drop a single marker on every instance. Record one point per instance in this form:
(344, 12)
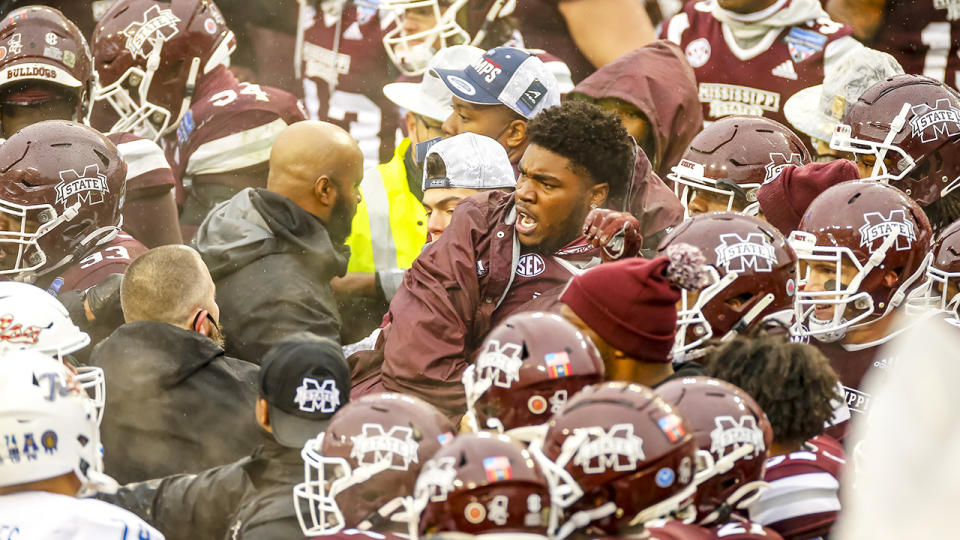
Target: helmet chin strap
(895, 126)
(187, 96)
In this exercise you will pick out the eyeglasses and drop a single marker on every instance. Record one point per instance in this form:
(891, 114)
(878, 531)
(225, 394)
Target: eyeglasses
(196, 320)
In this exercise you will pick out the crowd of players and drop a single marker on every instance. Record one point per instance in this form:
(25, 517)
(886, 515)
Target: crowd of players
(508, 269)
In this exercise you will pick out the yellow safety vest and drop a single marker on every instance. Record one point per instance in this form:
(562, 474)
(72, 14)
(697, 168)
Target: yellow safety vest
(390, 226)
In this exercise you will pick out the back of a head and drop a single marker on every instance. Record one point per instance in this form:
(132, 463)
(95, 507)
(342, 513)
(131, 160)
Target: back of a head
(306, 150)
(792, 382)
(165, 284)
(592, 139)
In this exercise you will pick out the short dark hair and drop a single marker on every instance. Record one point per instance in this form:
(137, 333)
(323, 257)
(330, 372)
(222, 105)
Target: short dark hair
(592, 139)
(792, 382)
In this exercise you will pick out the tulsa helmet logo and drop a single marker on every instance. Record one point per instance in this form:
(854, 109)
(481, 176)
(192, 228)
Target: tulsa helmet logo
(737, 254)
(374, 445)
(733, 433)
(88, 187)
(878, 227)
(618, 449)
(157, 27)
(778, 162)
(929, 123)
(436, 480)
(500, 364)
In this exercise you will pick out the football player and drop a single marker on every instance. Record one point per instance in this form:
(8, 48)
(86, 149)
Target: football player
(796, 387)
(923, 36)
(59, 85)
(903, 131)
(750, 56)
(753, 278)
(163, 72)
(62, 185)
(52, 458)
(617, 456)
(729, 426)
(862, 248)
(730, 159)
(34, 320)
(373, 448)
(482, 485)
(941, 290)
(528, 367)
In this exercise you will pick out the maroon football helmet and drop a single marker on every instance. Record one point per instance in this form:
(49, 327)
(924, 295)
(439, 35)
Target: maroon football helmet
(727, 423)
(871, 228)
(527, 368)
(941, 290)
(363, 468)
(61, 193)
(617, 456)
(733, 157)
(150, 55)
(911, 125)
(753, 272)
(38, 44)
(483, 483)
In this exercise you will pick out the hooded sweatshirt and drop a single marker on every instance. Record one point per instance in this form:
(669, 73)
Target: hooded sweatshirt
(272, 263)
(657, 80)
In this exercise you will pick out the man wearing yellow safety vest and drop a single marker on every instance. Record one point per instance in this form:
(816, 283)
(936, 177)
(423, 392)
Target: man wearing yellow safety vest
(390, 226)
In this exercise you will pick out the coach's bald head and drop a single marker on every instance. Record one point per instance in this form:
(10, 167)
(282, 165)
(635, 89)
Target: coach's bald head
(319, 167)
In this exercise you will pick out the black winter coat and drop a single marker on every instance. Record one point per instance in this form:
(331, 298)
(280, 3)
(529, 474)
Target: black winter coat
(174, 402)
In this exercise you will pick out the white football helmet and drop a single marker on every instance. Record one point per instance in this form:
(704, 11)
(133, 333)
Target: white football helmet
(50, 428)
(32, 319)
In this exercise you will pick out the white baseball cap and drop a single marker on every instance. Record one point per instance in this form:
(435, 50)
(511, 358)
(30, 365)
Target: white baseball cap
(817, 110)
(430, 96)
(471, 161)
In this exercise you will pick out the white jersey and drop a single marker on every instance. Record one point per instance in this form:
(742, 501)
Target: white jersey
(37, 515)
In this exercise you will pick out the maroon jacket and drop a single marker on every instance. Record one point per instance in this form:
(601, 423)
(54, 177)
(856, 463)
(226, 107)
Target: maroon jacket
(451, 297)
(657, 80)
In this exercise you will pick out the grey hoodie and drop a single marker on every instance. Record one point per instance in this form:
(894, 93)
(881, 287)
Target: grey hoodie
(272, 263)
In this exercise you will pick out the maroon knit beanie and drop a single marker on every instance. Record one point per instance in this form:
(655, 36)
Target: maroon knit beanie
(784, 199)
(632, 304)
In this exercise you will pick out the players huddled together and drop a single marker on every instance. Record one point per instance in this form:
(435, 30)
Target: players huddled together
(450, 269)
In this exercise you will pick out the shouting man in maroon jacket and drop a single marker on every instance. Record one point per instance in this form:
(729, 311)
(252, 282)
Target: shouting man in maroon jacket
(501, 251)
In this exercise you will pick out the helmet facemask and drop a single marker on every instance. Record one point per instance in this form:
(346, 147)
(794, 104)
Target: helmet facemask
(326, 477)
(691, 176)
(30, 224)
(903, 163)
(852, 307)
(940, 291)
(410, 53)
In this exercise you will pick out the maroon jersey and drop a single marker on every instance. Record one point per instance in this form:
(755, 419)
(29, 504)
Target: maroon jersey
(148, 172)
(230, 126)
(735, 529)
(924, 36)
(110, 258)
(756, 81)
(543, 27)
(803, 498)
(344, 68)
(851, 367)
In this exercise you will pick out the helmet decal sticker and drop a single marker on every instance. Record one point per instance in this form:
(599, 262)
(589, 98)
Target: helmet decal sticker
(397, 445)
(737, 254)
(877, 227)
(157, 27)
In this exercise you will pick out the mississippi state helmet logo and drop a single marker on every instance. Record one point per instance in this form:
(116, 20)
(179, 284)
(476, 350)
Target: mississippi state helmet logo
(930, 123)
(732, 434)
(778, 162)
(86, 187)
(312, 396)
(157, 27)
(617, 449)
(737, 254)
(878, 227)
(436, 480)
(396, 445)
(500, 364)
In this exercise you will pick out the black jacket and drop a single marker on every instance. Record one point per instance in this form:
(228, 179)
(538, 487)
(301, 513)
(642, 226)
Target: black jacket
(272, 263)
(250, 499)
(174, 402)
